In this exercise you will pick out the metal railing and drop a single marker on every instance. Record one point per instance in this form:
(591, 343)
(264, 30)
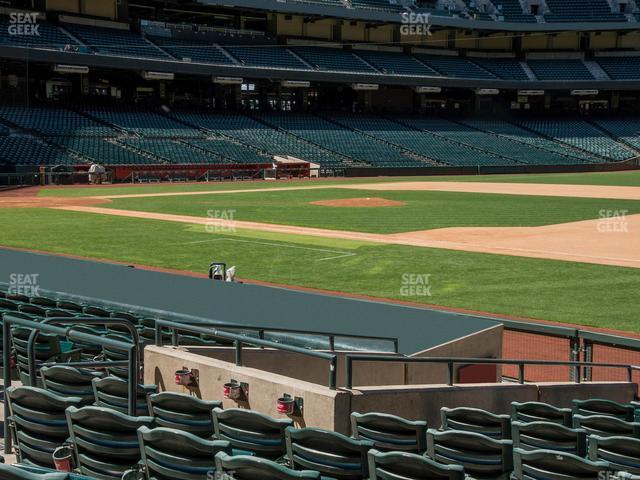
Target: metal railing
(262, 332)
(78, 322)
(241, 340)
(72, 334)
(451, 362)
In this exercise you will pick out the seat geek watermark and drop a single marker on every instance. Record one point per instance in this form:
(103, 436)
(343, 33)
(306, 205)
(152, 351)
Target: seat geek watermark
(613, 221)
(415, 285)
(221, 221)
(24, 284)
(413, 23)
(23, 24)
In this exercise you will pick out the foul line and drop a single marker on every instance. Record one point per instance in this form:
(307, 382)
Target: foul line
(342, 254)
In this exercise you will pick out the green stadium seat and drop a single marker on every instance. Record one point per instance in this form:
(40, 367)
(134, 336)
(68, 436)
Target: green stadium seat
(112, 392)
(552, 465)
(251, 432)
(38, 423)
(105, 442)
(11, 472)
(606, 426)
(332, 454)
(409, 466)
(622, 453)
(183, 412)
(549, 436)
(476, 420)
(246, 467)
(174, 454)
(597, 406)
(480, 456)
(70, 381)
(540, 412)
(389, 432)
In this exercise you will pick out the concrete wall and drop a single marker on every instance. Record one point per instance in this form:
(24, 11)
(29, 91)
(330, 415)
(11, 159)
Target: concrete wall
(323, 407)
(330, 409)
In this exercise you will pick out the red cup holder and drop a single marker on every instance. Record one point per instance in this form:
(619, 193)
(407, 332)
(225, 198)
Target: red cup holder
(286, 405)
(233, 391)
(185, 378)
(62, 459)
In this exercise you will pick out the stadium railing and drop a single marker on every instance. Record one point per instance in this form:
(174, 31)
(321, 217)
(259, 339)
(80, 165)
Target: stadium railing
(71, 333)
(451, 362)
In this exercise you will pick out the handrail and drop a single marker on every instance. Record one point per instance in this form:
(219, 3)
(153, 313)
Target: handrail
(69, 332)
(452, 361)
(77, 323)
(240, 340)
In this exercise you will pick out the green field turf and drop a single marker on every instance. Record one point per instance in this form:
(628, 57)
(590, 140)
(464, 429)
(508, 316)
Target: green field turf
(423, 210)
(627, 178)
(585, 294)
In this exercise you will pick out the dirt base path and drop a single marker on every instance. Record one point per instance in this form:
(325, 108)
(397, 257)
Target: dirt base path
(606, 242)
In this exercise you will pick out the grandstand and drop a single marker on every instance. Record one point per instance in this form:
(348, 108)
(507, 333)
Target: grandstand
(135, 364)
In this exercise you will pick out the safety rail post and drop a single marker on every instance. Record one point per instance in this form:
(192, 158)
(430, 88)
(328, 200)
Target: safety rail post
(238, 352)
(521, 376)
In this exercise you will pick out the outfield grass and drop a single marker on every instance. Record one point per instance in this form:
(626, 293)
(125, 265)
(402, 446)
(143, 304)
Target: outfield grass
(626, 178)
(423, 210)
(585, 294)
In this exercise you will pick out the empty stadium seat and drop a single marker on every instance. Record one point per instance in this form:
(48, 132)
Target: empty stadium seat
(105, 442)
(111, 392)
(479, 455)
(37, 419)
(11, 472)
(332, 454)
(476, 420)
(540, 412)
(549, 436)
(606, 426)
(564, 69)
(552, 465)
(389, 432)
(251, 432)
(183, 412)
(245, 467)
(70, 381)
(48, 348)
(175, 454)
(409, 466)
(622, 453)
(597, 406)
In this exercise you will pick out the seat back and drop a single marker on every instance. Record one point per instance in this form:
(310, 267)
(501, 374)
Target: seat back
(551, 465)
(251, 431)
(606, 426)
(332, 454)
(245, 467)
(622, 453)
(477, 421)
(112, 392)
(409, 466)
(170, 453)
(38, 422)
(105, 442)
(476, 453)
(540, 412)
(549, 436)
(389, 432)
(183, 412)
(598, 406)
(47, 346)
(11, 472)
(70, 381)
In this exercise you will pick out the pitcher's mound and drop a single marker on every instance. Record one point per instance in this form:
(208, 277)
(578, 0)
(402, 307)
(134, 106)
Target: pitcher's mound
(359, 202)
